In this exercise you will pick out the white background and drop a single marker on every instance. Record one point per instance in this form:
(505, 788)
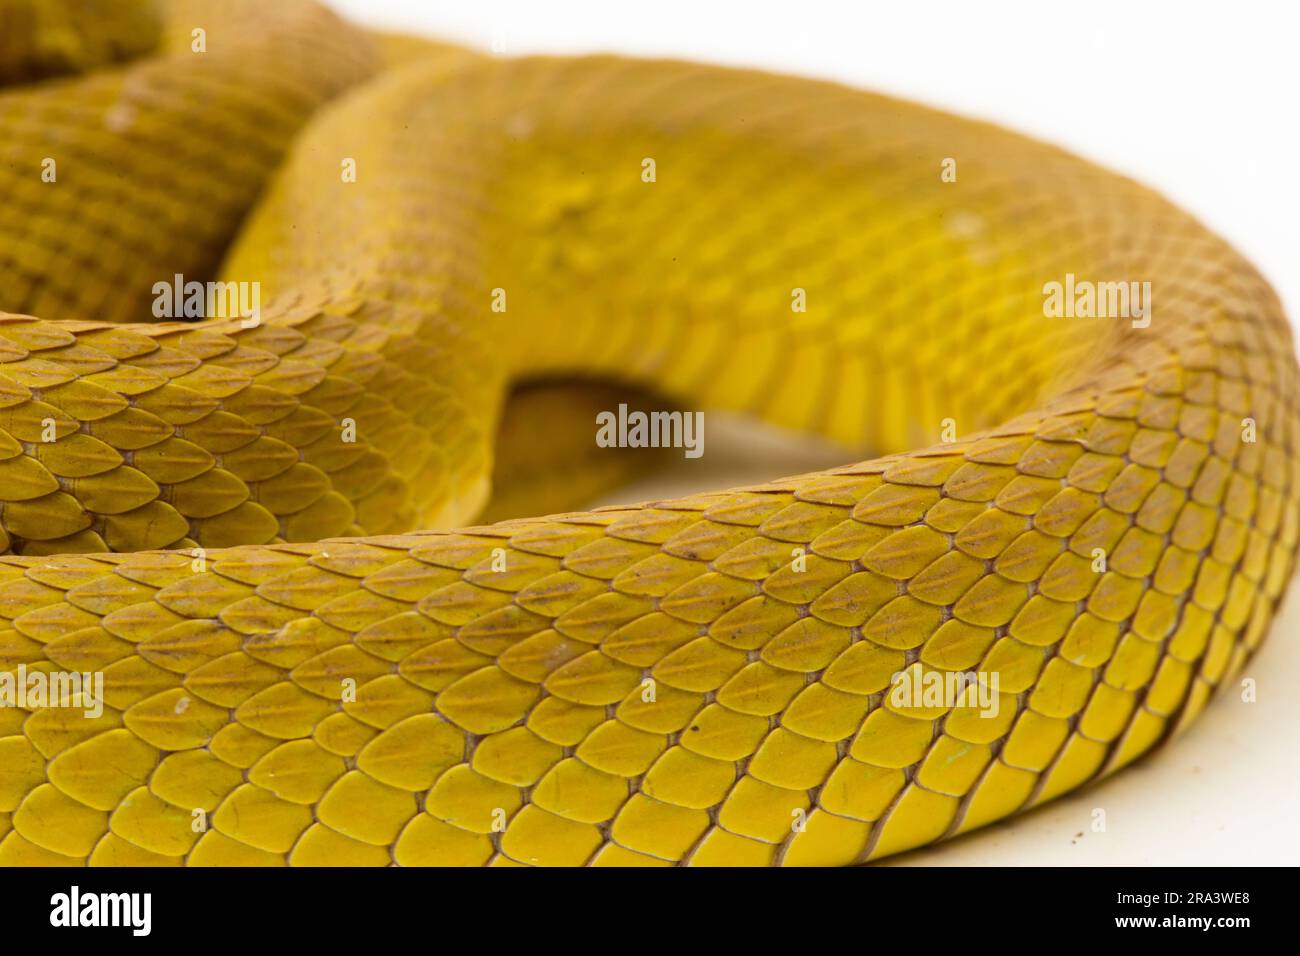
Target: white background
(1197, 100)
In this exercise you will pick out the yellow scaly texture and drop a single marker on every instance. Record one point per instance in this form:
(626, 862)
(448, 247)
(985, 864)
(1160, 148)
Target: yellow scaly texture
(703, 680)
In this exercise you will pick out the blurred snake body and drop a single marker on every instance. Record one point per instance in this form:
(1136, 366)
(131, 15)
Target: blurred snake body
(222, 519)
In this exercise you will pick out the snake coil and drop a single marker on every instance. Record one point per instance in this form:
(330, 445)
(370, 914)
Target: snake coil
(215, 518)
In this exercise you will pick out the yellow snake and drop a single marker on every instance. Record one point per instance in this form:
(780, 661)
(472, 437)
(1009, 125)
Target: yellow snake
(1102, 516)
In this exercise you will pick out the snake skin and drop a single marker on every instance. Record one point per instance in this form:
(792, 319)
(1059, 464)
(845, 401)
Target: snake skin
(217, 517)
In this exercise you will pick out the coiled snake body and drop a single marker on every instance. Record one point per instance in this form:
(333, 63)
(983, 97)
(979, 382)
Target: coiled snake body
(217, 517)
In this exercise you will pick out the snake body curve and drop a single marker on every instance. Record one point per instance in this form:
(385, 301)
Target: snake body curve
(217, 516)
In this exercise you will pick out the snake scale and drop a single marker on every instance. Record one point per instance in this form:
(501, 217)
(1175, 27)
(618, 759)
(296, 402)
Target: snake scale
(216, 516)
